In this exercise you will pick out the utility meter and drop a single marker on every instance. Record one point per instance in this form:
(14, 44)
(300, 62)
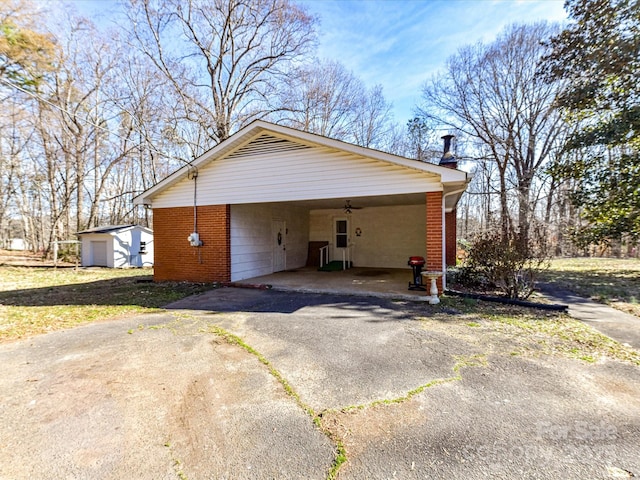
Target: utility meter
(194, 240)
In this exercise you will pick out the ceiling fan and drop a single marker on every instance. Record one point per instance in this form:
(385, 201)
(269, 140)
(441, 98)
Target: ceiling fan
(348, 207)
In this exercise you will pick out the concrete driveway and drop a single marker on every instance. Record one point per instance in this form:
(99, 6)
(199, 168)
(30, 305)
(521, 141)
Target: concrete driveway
(286, 381)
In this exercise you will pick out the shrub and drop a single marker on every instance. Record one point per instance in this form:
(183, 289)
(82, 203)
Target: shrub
(509, 262)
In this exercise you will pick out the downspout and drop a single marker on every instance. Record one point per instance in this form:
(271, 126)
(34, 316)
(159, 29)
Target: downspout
(194, 177)
(194, 238)
(444, 236)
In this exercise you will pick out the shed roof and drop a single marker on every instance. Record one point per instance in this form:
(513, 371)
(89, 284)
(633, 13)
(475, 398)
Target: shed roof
(112, 229)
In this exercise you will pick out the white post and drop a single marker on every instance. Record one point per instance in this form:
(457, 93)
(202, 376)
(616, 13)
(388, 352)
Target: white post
(324, 255)
(434, 292)
(433, 298)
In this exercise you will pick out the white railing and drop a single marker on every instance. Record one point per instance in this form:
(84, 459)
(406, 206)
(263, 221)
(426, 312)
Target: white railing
(347, 255)
(324, 255)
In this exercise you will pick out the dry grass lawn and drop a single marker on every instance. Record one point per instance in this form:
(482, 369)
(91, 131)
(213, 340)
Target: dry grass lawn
(36, 300)
(613, 281)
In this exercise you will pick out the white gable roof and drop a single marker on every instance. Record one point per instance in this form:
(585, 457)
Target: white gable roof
(270, 163)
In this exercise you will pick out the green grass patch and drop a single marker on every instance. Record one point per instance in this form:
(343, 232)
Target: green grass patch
(462, 361)
(35, 300)
(340, 458)
(613, 281)
(468, 361)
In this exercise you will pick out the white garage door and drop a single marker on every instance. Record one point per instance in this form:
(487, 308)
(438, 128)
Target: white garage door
(99, 253)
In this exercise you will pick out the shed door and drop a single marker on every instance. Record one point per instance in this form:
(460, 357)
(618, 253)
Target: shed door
(99, 253)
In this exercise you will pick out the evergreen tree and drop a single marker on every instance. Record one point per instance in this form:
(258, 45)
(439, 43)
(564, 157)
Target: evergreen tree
(25, 54)
(599, 55)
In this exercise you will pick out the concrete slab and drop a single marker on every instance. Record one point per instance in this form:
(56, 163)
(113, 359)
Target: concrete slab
(559, 426)
(375, 282)
(498, 414)
(338, 350)
(149, 398)
(410, 390)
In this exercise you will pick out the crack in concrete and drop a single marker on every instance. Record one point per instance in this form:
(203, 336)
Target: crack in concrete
(340, 454)
(177, 463)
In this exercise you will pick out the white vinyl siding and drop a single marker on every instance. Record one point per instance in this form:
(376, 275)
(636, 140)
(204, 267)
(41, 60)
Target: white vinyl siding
(121, 249)
(252, 242)
(297, 174)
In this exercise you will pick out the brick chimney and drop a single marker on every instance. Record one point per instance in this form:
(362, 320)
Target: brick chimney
(448, 159)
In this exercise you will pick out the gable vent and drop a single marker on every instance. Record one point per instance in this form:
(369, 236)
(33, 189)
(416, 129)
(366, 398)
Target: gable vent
(266, 145)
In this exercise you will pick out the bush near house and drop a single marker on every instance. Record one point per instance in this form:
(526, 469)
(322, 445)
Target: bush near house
(506, 262)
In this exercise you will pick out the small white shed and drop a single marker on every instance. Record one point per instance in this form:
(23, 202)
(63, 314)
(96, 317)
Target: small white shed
(117, 246)
(16, 244)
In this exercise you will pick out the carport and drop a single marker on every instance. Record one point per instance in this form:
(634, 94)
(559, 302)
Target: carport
(375, 232)
(269, 197)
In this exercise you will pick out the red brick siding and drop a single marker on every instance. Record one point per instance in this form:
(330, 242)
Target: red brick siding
(434, 233)
(451, 237)
(175, 259)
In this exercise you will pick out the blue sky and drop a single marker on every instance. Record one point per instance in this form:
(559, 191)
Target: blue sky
(401, 43)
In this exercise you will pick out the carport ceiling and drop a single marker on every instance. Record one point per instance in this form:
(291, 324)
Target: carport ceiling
(363, 202)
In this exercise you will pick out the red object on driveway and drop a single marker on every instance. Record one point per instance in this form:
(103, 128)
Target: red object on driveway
(416, 264)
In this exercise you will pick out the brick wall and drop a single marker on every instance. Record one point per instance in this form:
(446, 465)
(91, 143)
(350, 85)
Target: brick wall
(175, 259)
(434, 233)
(451, 236)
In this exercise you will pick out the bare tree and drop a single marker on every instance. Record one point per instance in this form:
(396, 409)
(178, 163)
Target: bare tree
(15, 135)
(372, 123)
(71, 121)
(139, 155)
(321, 98)
(81, 142)
(72, 150)
(223, 58)
(495, 94)
(324, 97)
